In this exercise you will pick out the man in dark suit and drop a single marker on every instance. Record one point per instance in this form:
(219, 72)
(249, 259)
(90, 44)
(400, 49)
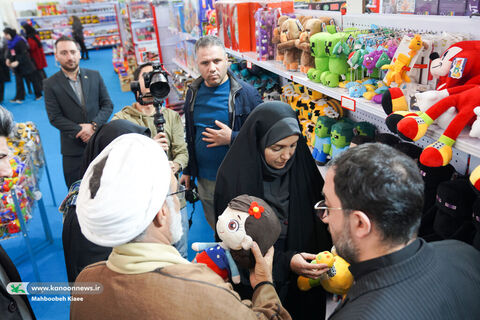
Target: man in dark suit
(373, 207)
(11, 306)
(77, 102)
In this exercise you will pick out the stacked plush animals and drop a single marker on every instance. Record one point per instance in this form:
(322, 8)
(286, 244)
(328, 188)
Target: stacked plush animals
(458, 73)
(290, 32)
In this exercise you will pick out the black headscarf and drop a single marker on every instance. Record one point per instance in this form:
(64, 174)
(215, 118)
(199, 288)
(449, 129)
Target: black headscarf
(106, 134)
(243, 172)
(78, 251)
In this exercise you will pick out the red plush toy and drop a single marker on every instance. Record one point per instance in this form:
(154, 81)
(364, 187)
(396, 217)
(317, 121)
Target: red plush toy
(458, 70)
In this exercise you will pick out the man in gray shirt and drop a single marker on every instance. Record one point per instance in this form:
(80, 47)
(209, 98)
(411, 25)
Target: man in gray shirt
(77, 102)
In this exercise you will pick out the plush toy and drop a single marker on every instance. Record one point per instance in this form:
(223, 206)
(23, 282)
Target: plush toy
(340, 136)
(336, 280)
(307, 61)
(276, 37)
(321, 139)
(365, 129)
(290, 31)
(459, 72)
(244, 220)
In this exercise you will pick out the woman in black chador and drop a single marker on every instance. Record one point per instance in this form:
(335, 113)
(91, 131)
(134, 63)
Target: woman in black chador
(270, 159)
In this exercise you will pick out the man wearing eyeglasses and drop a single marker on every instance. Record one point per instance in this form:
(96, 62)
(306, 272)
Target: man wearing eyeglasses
(373, 207)
(77, 102)
(145, 276)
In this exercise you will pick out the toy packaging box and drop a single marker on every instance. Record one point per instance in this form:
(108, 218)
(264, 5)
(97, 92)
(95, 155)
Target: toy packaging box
(389, 6)
(452, 7)
(204, 9)
(406, 6)
(265, 22)
(191, 14)
(327, 6)
(426, 7)
(239, 17)
(472, 7)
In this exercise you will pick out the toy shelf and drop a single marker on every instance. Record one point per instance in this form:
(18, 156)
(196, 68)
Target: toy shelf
(102, 35)
(464, 142)
(191, 72)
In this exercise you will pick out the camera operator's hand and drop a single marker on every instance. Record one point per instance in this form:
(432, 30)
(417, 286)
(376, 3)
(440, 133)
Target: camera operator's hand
(185, 180)
(216, 138)
(161, 139)
(263, 266)
(301, 265)
(174, 166)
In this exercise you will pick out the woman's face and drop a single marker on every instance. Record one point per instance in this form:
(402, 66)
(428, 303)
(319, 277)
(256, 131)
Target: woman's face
(280, 152)
(7, 36)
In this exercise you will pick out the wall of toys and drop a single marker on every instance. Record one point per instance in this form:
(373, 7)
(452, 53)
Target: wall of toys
(409, 81)
(54, 19)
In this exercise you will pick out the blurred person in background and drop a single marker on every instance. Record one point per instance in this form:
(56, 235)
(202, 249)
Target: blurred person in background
(77, 35)
(36, 50)
(18, 59)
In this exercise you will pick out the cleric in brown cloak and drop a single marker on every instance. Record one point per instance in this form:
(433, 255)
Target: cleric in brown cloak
(291, 185)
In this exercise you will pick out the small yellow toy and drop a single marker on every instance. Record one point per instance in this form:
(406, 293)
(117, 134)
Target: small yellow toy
(336, 280)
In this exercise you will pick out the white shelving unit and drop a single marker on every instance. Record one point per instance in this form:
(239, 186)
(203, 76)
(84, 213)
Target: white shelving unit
(191, 72)
(366, 110)
(58, 24)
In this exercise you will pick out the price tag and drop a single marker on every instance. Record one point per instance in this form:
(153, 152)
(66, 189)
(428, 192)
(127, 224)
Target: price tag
(348, 103)
(249, 65)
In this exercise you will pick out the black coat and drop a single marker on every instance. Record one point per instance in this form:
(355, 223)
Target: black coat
(241, 173)
(20, 53)
(440, 281)
(8, 306)
(65, 111)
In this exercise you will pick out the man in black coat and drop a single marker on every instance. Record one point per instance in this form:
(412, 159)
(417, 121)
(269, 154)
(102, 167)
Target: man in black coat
(373, 206)
(77, 102)
(11, 306)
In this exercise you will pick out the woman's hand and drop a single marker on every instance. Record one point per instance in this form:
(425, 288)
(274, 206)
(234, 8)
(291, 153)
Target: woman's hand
(300, 264)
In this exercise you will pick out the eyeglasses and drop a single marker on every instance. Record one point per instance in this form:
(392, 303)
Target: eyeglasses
(321, 210)
(180, 192)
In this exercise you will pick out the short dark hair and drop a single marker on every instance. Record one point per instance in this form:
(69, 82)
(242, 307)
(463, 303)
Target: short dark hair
(6, 122)
(10, 31)
(136, 73)
(208, 41)
(66, 38)
(383, 183)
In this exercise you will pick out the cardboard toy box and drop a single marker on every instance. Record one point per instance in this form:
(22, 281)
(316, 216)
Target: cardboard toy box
(426, 7)
(473, 6)
(452, 7)
(327, 6)
(406, 6)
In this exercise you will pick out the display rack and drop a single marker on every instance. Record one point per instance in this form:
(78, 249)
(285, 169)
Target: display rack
(20, 193)
(465, 146)
(100, 24)
(191, 72)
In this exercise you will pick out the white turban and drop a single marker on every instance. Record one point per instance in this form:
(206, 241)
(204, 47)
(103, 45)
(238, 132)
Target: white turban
(133, 187)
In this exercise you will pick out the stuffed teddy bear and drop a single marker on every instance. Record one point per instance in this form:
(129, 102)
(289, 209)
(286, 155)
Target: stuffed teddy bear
(244, 220)
(459, 74)
(336, 280)
(290, 31)
(311, 26)
(276, 37)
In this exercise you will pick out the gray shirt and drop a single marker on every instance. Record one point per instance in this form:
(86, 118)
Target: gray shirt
(77, 87)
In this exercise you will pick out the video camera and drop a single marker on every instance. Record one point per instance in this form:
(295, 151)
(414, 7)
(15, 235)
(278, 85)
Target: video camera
(157, 81)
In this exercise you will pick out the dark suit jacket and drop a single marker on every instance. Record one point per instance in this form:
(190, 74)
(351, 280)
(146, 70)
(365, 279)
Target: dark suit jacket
(441, 281)
(8, 306)
(65, 111)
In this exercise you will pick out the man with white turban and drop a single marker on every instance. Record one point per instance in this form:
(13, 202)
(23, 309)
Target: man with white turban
(127, 200)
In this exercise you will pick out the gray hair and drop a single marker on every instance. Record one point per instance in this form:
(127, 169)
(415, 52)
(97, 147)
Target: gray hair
(6, 122)
(208, 41)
